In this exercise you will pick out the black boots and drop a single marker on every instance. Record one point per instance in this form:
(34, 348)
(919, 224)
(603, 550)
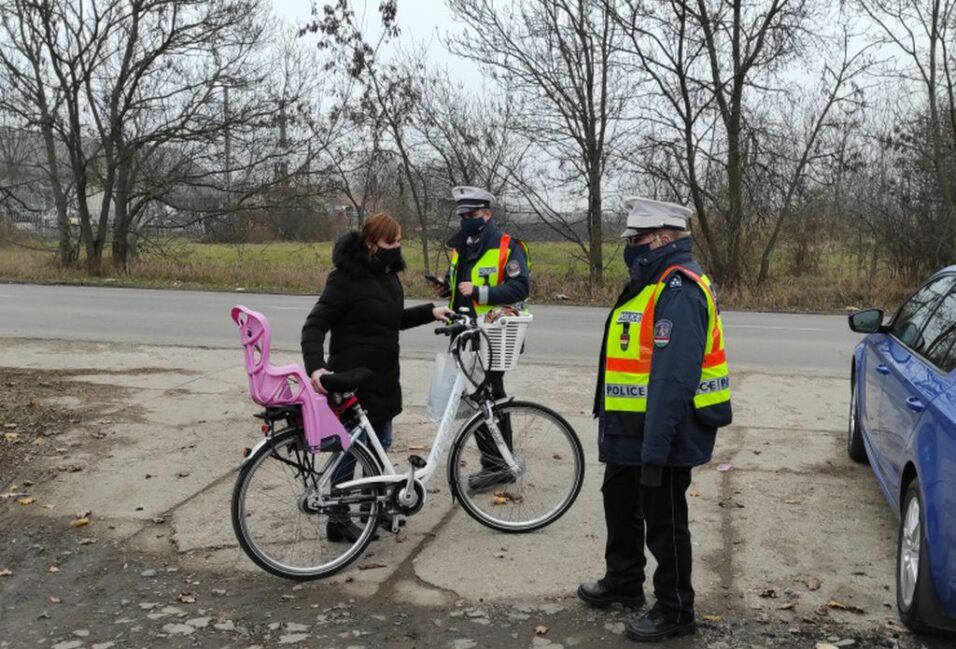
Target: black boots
(654, 626)
(598, 595)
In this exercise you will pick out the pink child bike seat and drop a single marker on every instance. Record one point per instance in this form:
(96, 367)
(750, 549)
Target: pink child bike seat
(285, 385)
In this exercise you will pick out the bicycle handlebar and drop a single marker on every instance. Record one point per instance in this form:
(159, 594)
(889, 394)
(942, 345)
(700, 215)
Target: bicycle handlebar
(451, 330)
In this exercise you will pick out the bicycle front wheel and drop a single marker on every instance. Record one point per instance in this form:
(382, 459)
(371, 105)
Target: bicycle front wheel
(548, 477)
(286, 516)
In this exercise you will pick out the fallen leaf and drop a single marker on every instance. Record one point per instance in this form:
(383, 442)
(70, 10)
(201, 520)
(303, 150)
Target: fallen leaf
(499, 500)
(792, 501)
(80, 522)
(786, 607)
(557, 456)
(725, 467)
(825, 645)
(711, 618)
(814, 583)
(187, 598)
(540, 629)
(416, 447)
(86, 541)
(840, 606)
(6, 572)
(55, 600)
(52, 569)
(26, 501)
(11, 437)
(371, 566)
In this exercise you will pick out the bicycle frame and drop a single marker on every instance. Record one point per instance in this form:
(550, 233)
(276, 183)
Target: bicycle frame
(439, 445)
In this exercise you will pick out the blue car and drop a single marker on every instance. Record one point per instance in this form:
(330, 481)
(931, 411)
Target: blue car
(903, 420)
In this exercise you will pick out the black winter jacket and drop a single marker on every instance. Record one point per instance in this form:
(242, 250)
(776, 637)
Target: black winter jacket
(363, 308)
(672, 432)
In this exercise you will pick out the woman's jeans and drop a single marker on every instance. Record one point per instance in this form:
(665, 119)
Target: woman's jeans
(345, 471)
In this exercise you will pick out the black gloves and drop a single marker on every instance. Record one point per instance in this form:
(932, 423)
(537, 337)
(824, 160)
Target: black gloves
(651, 475)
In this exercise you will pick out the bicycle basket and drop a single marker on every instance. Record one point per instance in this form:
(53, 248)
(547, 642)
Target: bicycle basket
(501, 345)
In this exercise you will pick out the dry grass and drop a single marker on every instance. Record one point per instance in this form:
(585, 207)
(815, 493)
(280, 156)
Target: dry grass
(557, 276)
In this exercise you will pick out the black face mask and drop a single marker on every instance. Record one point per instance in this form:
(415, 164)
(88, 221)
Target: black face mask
(391, 258)
(471, 227)
(633, 253)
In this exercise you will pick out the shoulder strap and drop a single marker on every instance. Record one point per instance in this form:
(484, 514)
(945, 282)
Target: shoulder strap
(687, 271)
(504, 251)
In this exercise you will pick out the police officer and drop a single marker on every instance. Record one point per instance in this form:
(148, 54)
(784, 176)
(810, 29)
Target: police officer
(488, 268)
(656, 420)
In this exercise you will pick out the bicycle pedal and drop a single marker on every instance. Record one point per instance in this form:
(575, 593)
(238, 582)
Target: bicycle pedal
(416, 461)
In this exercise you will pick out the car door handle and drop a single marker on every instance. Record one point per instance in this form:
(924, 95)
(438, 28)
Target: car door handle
(915, 404)
(882, 369)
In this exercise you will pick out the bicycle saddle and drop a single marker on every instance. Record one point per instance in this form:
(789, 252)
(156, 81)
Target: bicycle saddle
(347, 381)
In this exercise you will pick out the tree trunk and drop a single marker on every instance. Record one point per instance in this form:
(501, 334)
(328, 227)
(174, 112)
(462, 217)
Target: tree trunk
(595, 229)
(121, 218)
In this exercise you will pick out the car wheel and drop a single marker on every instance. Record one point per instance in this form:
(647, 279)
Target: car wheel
(854, 439)
(915, 597)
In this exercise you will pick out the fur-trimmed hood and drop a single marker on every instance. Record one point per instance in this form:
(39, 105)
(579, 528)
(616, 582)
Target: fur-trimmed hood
(351, 256)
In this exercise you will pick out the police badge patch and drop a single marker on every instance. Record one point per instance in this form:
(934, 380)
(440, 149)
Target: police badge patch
(662, 332)
(513, 269)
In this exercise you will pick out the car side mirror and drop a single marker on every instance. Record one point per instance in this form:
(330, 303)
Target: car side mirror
(867, 321)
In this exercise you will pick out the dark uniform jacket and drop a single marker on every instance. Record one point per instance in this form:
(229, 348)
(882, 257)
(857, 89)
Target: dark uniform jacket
(671, 432)
(362, 306)
(512, 288)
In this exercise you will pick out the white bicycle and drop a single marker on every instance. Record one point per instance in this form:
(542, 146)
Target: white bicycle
(284, 494)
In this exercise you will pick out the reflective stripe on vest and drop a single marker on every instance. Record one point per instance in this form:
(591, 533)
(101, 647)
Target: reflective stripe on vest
(630, 347)
(487, 271)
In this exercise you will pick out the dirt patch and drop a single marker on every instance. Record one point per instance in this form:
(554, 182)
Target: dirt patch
(38, 406)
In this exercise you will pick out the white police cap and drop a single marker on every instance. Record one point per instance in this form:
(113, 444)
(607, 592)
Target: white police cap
(469, 199)
(644, 214)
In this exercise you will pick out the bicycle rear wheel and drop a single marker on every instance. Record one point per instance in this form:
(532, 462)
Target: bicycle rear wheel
(550, 469)
(281, 508)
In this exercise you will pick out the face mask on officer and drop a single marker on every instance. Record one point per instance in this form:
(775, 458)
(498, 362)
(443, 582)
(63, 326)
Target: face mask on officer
(634, 252)
(471, 226)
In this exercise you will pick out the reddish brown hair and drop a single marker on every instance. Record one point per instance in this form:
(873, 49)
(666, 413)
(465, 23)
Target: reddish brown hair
(380, 226)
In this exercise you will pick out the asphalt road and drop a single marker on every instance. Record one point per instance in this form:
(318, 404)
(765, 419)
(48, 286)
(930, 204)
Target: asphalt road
(560, 334)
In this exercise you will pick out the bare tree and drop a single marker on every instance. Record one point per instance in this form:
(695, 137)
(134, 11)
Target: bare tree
(706, 60)
(922, 30)
(560, 61)
(29, 101)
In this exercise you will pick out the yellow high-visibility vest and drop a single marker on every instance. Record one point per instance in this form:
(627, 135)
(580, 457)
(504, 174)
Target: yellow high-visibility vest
(627, 364)
(489, 270)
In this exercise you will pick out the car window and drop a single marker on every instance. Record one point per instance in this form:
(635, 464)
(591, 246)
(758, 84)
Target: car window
(942, 353)
(938, 324)
(908, 324)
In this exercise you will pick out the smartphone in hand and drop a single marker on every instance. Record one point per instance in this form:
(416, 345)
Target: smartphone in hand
(439, 285)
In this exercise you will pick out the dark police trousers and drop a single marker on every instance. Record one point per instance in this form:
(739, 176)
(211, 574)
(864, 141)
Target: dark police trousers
(490, 456)
(657, 515)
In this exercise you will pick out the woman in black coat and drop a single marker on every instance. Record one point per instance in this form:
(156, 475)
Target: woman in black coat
(362, 308)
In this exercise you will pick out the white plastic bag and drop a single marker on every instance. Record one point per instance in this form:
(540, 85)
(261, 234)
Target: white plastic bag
(443, 380)
(444, 372)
